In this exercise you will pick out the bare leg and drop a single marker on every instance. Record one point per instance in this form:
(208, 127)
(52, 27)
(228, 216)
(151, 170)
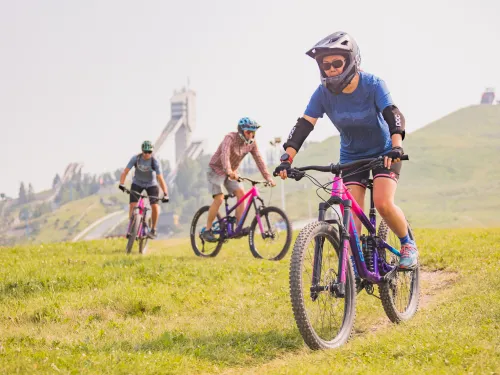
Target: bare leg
(240, 193)
(131, 209)
(358, 193)
(214, 208)
(155, 212)
(384, 190)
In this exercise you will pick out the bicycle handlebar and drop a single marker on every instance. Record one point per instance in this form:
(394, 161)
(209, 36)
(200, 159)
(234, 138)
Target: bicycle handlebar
(298, 173)
(165, 199)
(253, 182)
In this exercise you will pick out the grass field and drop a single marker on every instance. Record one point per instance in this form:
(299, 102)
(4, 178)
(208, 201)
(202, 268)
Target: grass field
(87, 308)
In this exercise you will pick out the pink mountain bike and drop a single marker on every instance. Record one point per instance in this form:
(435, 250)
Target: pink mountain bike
(323, 280)
(270, 233)
(139, 224)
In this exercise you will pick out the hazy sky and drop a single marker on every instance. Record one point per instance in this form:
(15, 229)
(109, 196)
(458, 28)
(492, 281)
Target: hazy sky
(87, 81)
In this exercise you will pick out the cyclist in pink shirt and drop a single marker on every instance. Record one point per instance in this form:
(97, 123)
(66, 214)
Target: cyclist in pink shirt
(223, 169)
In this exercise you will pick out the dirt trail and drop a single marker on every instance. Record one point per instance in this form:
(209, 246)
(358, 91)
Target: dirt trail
(432, 283)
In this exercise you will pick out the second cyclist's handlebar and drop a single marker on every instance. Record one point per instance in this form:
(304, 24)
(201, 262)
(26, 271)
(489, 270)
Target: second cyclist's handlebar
(253, 182)
(165, 199)
(298, 173)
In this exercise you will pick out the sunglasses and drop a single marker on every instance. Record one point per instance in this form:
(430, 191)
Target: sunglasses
(147, 152)
(335, 63)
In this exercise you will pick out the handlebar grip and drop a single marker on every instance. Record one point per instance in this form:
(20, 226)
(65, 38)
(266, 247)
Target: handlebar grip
(405, 157)
(275, 174)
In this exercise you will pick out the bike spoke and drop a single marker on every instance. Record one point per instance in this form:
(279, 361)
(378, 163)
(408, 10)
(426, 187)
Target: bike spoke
(326, 311)
(400, 295)
(273, 239)
(203, 246)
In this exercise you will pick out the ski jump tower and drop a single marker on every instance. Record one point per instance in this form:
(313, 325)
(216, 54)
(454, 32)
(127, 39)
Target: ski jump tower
(179, 129)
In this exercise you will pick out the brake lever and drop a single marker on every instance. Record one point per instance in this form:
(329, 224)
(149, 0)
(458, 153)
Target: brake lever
(295, 174)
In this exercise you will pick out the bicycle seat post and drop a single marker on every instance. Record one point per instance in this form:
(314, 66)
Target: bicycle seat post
(369, 186)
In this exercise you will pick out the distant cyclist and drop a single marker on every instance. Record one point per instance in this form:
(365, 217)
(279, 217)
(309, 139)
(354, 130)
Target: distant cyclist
(370, 125)
(147, 176)
(223, 169)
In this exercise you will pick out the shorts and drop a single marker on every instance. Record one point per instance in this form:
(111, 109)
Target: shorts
(153, 193)
(357, 178)
(215, 182)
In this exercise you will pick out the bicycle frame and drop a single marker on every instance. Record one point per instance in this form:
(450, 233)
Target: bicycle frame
(341, 195)
(253, 196)
(142, 209)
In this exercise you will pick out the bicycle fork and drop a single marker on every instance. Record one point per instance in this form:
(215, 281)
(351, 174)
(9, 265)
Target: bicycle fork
(337, 287)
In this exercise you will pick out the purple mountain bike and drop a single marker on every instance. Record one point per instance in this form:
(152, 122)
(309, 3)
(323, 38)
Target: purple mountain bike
(270, 233)
(323, 282)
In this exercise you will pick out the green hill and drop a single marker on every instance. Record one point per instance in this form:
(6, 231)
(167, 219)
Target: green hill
(65, 222)
(452, 178)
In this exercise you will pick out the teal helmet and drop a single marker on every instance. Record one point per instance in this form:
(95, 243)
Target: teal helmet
(147, 146)
(246, 123)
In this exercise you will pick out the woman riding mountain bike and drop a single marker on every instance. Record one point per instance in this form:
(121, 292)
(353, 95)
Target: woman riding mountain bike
(370, 125)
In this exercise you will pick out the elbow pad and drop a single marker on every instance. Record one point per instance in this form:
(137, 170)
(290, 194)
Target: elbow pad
(298, 134)
(395, 120)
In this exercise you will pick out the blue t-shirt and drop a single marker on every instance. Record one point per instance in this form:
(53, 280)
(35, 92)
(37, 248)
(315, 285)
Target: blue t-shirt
(145, 173)
(357, 116)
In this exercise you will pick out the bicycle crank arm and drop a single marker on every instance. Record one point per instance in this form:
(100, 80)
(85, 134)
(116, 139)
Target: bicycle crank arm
(390, 275)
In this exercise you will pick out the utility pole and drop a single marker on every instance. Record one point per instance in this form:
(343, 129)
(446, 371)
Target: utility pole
(306, 195)
(276, 144)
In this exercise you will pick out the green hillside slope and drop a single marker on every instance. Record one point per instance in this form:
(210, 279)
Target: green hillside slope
(453, 176)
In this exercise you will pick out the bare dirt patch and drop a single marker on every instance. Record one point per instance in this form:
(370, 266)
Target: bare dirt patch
(431, 284)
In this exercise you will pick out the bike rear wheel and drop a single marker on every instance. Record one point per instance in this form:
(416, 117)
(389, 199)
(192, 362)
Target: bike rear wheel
(274, 243)
(400, 295)
(201, 247)
(132, 235)
(324, 321)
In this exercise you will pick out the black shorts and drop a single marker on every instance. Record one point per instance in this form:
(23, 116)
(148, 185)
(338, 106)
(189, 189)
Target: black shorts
(357, 178)
(153, 193)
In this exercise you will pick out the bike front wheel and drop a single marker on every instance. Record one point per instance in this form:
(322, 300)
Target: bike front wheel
(325, 321)
(273, 240)
(132, 234)
(400, 295)
(143, 241)
(201, 247)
